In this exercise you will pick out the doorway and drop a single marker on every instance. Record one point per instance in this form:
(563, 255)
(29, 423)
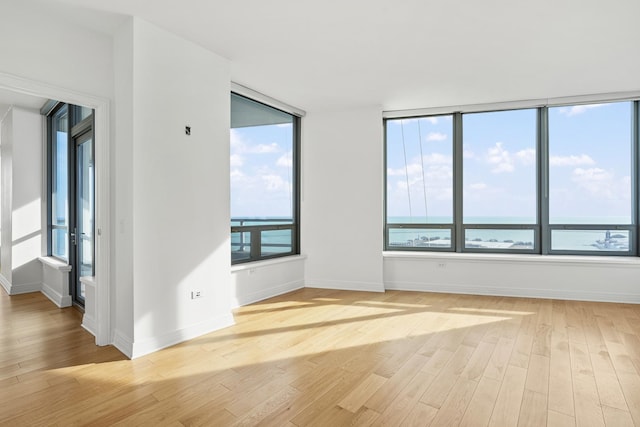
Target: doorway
(71, 187)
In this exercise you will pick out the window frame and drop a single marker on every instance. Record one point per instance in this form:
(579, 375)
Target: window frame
(50, 110)
(542, 228)
(255, 231)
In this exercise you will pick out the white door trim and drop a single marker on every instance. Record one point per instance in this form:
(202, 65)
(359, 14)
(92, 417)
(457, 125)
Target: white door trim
(103, 192)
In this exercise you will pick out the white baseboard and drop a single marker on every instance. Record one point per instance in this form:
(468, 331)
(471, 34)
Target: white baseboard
(57, 298)
(5, 284)
(122, 343)
(89, 324)
(574, 295)
(345, 285)
(150, 345)
(268, 293)
(24, 288)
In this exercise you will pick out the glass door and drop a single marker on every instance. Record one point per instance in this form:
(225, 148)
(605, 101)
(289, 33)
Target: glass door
(83, 233)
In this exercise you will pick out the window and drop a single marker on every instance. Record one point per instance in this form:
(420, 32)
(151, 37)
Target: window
(590, 175)
(420, 182)
(59, 182)
(264, 181)
(71, 187)
(499, 180)
(546, 180)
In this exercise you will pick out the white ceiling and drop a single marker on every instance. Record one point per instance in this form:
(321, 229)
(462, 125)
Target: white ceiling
(409, 53)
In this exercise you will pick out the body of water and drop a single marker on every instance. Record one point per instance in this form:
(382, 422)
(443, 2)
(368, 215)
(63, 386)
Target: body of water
(604, 239)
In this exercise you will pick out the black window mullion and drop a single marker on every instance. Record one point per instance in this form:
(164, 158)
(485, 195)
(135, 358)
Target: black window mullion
(635, 182)
(457, 183)
(544, 237)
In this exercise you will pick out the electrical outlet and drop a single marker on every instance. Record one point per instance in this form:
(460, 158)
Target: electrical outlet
(442, 265)
(196, 294)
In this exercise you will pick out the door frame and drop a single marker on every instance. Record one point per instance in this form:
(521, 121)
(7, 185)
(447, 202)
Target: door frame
(76, 133)
(102, 146)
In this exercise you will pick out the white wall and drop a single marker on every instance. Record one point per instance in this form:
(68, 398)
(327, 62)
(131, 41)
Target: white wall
(22, 201)
(342, 188)
(180, 189)
(39, 43)
(256, 281)
(6, 188)
(563, 277)
(121, 182)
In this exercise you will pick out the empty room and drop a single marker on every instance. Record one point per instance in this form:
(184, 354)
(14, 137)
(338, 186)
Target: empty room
(319, 213)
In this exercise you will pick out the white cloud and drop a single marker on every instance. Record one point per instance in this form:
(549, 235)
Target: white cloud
(286, 160)
(432, 120)
(436, 136)
(262, 148)
(236, 139)
(580, 160)
(478, 186)
(578, 109)
(504, 161)
(236, 160)
(437, 159)
(501, 158)
(526, 156)
(239, 145)
(468, 154)
(273, 182)
(236, 174)
(596, 181)
(416, 168)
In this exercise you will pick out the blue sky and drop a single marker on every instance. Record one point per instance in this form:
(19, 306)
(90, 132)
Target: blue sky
(261, 171)
(590, 164)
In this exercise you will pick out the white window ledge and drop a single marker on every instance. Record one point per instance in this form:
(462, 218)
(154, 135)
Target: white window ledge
(266, 263)
(88, 280)
(55, 263)
(621, 261)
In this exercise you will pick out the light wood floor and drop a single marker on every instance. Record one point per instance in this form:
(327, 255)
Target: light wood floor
(330, 358)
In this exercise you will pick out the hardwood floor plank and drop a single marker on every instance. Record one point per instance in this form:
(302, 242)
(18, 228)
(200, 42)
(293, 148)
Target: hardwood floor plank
(359, 395)
(614, 417)
(408, 397)
(439, 390)
(453, 408)
(557, 419)
(560, 384)
(480, 407)
(507, 408)
(421, 415)
(533, 412)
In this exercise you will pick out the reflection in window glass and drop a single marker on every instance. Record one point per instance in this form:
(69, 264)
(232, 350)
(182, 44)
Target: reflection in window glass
(499, 168)
(419, 238)
(59, 184)
(590, 164)
(590, 240)
(275, 242)
(420, 170)
(496, 239)
(240, 246)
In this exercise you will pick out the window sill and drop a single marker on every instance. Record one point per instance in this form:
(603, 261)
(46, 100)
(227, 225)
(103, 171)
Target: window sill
(621, 261)
(55, 263)
(266, 263)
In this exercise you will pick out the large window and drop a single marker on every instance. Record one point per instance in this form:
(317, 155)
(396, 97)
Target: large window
(59, 182)
(420, 182)
(264, 181)
(590, 175)
(549, 180)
